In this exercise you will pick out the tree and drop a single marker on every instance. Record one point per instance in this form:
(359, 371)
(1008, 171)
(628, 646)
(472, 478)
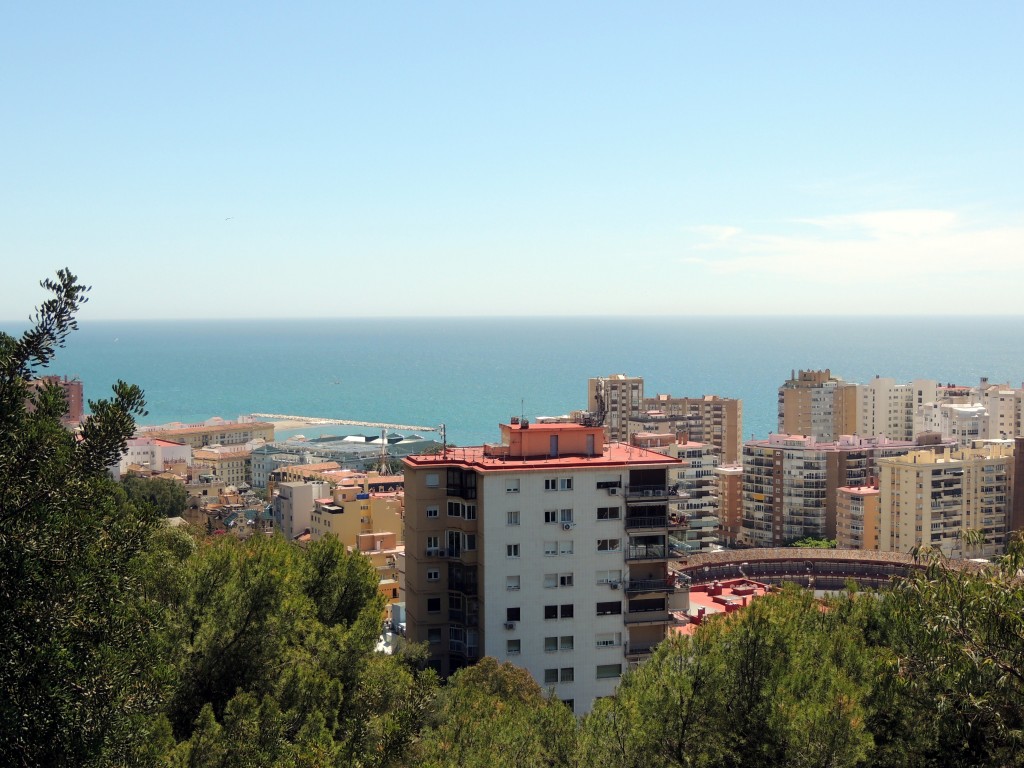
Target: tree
(167, 497)
(74, 681)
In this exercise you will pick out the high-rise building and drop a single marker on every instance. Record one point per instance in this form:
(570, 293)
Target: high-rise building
(790, 482)
(857, 517)
(549, 550)
(817, 404)
(615, 398)
(717, 421)
(730, 502)
(932, 498)
(886, 409)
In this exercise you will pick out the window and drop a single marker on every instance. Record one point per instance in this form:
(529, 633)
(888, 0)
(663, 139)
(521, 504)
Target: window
(565, 547)
(512, 582)
(565, 484)
(608, 513)
(550, 644)
(608, 639)
(433, 605)
(565, 580)
(433, 480)
(470, 541)
(434, 635)
(433, 574)
(550, 515)
(511, 550)
(606, 671)
(566, 675)
(567, 642)
(470, 512)
(512, 614)
(550, 548)
(570, 703)
(613, 576)
(454, 509)
(550, 611)
(609, 545)
(512, 485)
(433, 543)
(550, 580)
(512, 517)
(432, 511)
(550, 483)
(513, 647)
(551, 675)
(565, 515)
(566, 611)
(609, 608)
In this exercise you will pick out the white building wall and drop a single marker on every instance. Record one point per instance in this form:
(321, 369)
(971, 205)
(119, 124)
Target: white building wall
(532, 571)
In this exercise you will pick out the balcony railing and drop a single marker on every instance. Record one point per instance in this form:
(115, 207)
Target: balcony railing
(640, 650)
(648, 617)
(649, 491)
(667, 584)
(647, 552)
(655, 521)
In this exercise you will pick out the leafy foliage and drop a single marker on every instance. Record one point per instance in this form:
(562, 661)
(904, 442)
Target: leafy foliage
(167, 497)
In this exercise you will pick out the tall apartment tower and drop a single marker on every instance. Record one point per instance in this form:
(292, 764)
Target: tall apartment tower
(886, 409)
(929, 498)
(549, 550)
(791, 483)
(817, 404)
(616, 398)
(710, 419)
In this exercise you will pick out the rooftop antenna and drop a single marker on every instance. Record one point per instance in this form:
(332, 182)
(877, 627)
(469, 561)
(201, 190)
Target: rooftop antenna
(444, 443)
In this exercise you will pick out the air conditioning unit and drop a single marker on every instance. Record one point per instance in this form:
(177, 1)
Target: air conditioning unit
(567, 526)
(510, 625)
(613, 584)
(613, 491)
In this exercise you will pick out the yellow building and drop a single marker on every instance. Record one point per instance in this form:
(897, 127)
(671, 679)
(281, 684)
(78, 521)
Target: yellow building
(353, 510)
(231, 466)
(383, 550)
(929, 499)
(818, 404)
(857, 517)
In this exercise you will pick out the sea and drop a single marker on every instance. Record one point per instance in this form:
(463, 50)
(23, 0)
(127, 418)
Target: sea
(472, 374)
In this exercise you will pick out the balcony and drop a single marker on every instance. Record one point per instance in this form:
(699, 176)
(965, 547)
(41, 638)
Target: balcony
(634, 618)
(647, 552)
(640, 522)
(636, 586)
(649, 491)
(640, 651)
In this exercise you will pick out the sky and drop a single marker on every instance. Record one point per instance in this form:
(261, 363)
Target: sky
(336, 159)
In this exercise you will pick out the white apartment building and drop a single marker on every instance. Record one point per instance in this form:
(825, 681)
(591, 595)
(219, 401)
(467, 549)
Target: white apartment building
(152, 453)
(616, 398)
(549, 550)
(294, 504)
(886, 409)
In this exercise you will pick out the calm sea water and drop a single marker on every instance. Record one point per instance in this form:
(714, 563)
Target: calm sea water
(474, 374)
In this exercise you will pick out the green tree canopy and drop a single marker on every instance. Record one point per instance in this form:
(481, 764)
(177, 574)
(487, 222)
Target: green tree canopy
(167, 497)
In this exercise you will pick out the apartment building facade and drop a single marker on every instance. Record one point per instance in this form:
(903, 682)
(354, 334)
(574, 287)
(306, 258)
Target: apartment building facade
(615, 398)
(717, 421)
(886, 409)
(857, 517)
(549, 550)
(929, 498)
(817, 404)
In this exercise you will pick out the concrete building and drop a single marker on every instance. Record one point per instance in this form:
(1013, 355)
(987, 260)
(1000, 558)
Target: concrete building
(215, 431)
(230, 463)
(717, 421)
(930, 498)
(817, 404)
(151, 454)
(857, 517)
(886, 409)
(294, 504)
(353, 510)
(72, 388)
(549, 550)
(615, 398)
(730, 502)
(790, 482)
(696, 487)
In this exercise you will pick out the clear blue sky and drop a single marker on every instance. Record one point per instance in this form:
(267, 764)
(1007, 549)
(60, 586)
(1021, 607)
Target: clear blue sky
(332, 159)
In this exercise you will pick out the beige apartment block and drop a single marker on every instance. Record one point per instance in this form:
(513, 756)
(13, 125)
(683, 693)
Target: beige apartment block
(710, 419)
(232, 466)
(857, 517)
(549, 549)
(817, 404)
(615, 398)
(929, 498)
(887, 409)
(383, 550)
(215, 431)
(354, 510)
